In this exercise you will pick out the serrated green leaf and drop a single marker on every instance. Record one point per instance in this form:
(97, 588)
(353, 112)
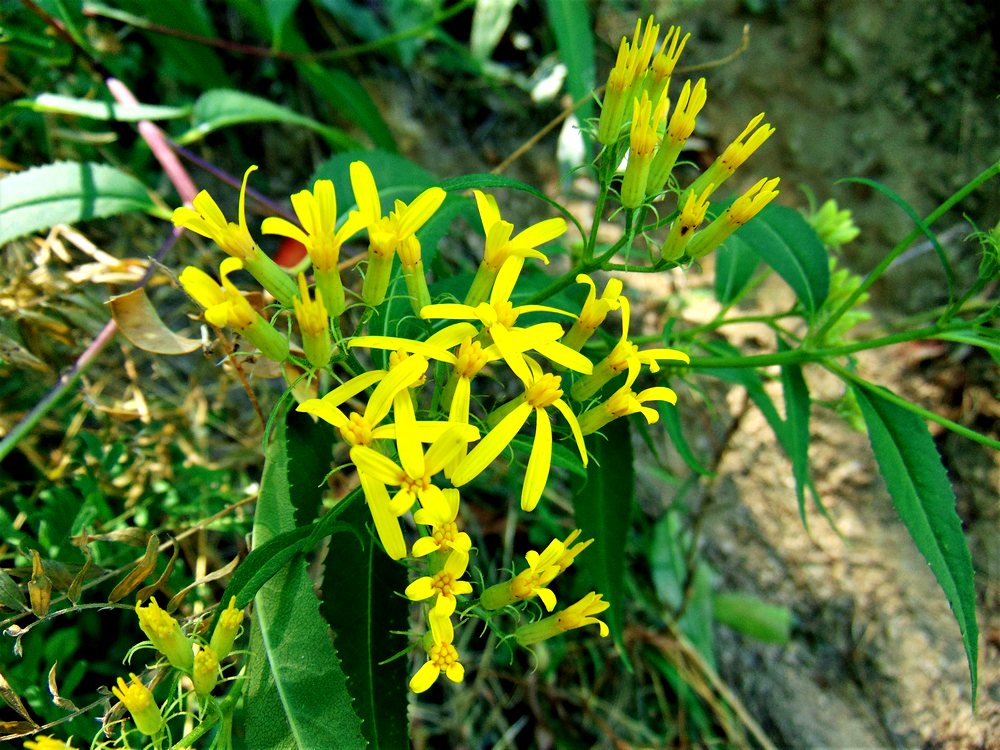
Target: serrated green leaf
(754, 617)
(786, 242)
(296, 694)
(100, 110)
(925, 501)
(65, 193)
(602, 507)
(570, 22)
(223, 108)
(362, 601)
(735, 263)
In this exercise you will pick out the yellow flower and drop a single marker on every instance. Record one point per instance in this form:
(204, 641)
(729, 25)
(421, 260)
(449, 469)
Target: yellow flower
(165, 634)
(499, 317)
(47, 743)
(625, 77)
(646, 122)
(739, 213)
(500, 246)
(386, 233)
(444, 584)
(570, 552)
(207, 219)
(314, 325)
(542, 391)
(575, 616)
(679, 129)
(582, 613)
(683, 227)
(206, 671)
(624, 356)
(226, 306)
(623, 402)
(139, 702)
(532, 581)
(440, 513)
(595, 310)
(734, 155)
(666, 59)
(226, 630)
(317, 212)
(441, 656)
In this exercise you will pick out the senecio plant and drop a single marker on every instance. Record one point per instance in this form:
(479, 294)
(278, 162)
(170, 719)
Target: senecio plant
(428, 401)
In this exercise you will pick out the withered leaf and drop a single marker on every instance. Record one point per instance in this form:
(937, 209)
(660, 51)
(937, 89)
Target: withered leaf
(58, 700)
(175, 602)
(146, 592)
(141, 325)
(143, 569)
(11, 595)
(13, 700)
(39, 587)
(73, 593)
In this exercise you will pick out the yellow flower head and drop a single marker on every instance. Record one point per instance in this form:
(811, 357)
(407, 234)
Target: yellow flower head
(596, 309)
(441, 514)
(225, 305)
(206, 671)
(623, 402)
(582, 613)
(226, 630)
(311, 314)
(385, 233)
(317, 212)
(542, 569)
(646, 121)
(745, 144)
(499, 317)
(571, 551)
(165, 634)
(689, 104)
(207, 219)
(500, 245)
(441, 656)
(445, 584)
(139, 702)
(542, 391)
(670, 51)
(752, 201)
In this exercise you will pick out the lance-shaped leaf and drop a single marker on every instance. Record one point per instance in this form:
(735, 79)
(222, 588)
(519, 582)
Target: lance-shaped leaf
(925, 501)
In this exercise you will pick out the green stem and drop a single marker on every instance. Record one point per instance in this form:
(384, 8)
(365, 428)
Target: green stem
(962, 430)
(902, 246)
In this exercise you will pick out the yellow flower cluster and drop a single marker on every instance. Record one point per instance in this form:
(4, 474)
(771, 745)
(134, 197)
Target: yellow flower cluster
(200, 662)
(638, 85)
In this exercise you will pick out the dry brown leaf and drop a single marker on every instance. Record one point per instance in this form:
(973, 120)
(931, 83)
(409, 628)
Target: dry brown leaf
(146, 592)
(73, 592)
(132, 536)
(143, 569)
(64, 703)
(141, 325)
(39, 587)
(13, 700)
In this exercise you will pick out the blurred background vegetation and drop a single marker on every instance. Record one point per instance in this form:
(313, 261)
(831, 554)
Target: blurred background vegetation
(904, 93)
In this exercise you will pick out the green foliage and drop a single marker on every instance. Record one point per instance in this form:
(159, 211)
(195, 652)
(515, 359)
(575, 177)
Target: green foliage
(602, 507)
(296, 692)
(925, 501)
(66, 193)
(570, 23)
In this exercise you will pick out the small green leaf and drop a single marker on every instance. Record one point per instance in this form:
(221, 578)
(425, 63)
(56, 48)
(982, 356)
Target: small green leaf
(278, 13)
(100, 110)
(222, 108)
(735, 263)
(786, 242)
(571, 24)
(925, 501)
(65, 193)
(602, 507)
(296, 694)
(753, 617)
(362, 601)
